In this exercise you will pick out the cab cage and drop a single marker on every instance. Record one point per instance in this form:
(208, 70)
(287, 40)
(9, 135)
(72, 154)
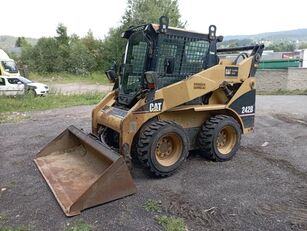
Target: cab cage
(177, 54)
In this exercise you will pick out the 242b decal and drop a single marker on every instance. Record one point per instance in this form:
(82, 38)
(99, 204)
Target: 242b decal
(247, 109)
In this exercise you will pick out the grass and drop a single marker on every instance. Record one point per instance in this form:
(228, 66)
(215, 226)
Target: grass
(93, 78)
(152, 205)
(170, 223)
(21, 228)
(25, 103)
(80, 226)
(283, 92)
(14, 117)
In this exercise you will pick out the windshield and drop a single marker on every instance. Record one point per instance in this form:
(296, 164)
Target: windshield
(9, 66)
(24, 80)
(135, 58)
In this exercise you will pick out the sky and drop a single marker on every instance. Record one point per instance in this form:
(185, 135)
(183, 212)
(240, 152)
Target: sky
(38, 18)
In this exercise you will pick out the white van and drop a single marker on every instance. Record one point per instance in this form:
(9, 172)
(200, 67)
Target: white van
(11, 86)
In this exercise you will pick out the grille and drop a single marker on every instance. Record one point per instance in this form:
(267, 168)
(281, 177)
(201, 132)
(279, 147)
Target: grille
(188, 53)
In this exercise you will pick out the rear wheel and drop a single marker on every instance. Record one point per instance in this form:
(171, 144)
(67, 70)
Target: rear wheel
(219, 138)
(162, 147)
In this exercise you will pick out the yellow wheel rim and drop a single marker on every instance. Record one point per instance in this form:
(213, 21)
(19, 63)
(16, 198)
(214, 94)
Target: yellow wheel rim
(226, 140)
(169, 149)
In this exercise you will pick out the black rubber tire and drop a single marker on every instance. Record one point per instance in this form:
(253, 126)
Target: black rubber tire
(208, 135)
(32, 93)
(146, 146)
(108, 136)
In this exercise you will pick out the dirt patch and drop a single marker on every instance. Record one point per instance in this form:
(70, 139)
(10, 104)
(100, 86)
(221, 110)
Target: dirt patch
(296, 207)
(202, 216)
(290, 119)
(280, 163)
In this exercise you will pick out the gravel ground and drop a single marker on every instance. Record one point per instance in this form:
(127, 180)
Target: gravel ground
(77, 88)
(263, 188)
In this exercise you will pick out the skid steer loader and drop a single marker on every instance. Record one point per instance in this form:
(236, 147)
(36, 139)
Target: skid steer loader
(173, 94)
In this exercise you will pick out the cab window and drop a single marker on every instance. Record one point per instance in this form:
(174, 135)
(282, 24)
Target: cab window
(2, 82)
(194, 53)
(13, 80)
(10, 66)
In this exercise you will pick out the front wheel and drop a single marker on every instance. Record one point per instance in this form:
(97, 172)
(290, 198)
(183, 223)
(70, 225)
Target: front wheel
(219, 138)
(162, 147)
(31, 93)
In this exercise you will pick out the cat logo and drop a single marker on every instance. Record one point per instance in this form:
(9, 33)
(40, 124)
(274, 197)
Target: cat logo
(155, 107)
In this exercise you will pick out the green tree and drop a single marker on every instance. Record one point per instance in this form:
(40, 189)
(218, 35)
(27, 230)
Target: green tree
(64, 53)
(62, 37)
(26, 54)
(81, 60)
(89, 41)
(138, 12)
(20, 41)
(149, 11)
(63, 49)
(282, 46)
(94, 46)
(44, 57)
(303, 45)
(112, 48)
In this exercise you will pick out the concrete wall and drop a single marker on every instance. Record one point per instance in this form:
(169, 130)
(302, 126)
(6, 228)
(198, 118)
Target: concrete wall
(297, 79)
(273, 80)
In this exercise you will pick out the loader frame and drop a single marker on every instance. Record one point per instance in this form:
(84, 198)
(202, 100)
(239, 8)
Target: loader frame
(166, 104)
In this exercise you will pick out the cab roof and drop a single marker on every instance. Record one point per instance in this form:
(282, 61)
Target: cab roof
(170, 30)
(4, 56)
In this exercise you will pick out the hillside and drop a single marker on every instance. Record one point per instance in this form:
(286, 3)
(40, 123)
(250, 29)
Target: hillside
(8, 42)
(290, 35)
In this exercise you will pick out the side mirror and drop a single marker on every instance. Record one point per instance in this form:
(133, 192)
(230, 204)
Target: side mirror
(169, 65)
(19, 83)
(111, 75)
(114, 67)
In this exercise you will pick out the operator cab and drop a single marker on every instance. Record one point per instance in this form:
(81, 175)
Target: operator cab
(157, 56)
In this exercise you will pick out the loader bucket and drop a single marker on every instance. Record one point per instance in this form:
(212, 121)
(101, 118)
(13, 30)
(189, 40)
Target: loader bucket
(82, 172)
